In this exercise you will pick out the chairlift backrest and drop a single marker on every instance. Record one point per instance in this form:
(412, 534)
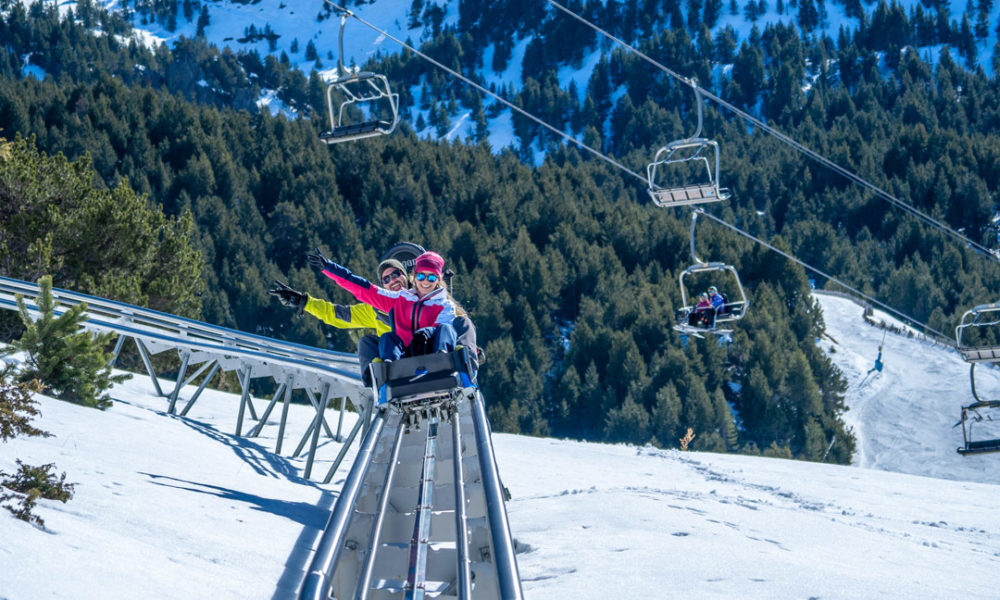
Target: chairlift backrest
(978, 318)
(664, 187)
(736, 305)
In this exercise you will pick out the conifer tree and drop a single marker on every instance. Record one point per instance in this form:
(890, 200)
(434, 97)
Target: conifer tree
(69, 363)
(17, 408)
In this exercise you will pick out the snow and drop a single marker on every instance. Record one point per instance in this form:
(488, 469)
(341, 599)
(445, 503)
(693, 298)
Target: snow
(172, 507)
(904, 417)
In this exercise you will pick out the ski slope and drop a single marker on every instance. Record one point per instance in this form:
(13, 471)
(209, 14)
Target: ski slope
(167, 507)
(904, 417)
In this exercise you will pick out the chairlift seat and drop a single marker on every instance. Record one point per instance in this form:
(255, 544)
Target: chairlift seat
(686, 194)
(362, 89)
(985, 354)
(357, 131)
(980, 447)
(971, 416)
(982, 318)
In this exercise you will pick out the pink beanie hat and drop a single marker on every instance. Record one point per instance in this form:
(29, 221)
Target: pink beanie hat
(429, 262)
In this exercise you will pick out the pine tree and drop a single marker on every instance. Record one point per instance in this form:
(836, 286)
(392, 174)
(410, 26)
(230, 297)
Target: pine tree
(630, 423)
(69, 363)
(665, 423)
(17, 408)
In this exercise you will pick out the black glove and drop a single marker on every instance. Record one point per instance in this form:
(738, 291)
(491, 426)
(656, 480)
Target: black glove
(319, 261)
(421, 343)
(289, 297)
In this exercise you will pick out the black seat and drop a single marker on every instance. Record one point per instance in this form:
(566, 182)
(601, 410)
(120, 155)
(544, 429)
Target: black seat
(426, 376)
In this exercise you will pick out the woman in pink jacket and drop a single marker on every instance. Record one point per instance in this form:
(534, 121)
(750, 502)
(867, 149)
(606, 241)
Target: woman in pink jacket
(422, 318)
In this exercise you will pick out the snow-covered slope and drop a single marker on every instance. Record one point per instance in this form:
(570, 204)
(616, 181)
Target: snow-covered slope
(179, 508)
(905, 416)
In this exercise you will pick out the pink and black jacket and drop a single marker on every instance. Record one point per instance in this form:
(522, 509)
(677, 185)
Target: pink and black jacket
(407, 312)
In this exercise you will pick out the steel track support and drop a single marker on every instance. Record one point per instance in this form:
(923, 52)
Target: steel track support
(267, 411)
(185, 357)
(144, 353)
(324, 401)
(363, 416)
(289, 386)
(118, 350)
(321, 416)
(340, 420)
(201, 388)
(244, 378)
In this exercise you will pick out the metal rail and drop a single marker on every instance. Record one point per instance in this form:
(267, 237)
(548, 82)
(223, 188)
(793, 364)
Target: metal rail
(214, 348)
(330, 545)
(503, 545)
(408, 525)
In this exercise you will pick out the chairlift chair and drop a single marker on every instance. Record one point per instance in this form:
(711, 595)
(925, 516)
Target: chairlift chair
(727, 280)
(970, 347)
(668, 174)
(697, 151)
(364, 90)
(733, 310)
(977, 412)
(974, 349)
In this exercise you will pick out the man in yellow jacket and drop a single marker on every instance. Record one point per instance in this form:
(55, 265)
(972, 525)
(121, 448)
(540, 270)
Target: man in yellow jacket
(391, 275)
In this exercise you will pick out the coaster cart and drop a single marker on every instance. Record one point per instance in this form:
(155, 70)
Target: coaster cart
(725, 278)
(352, 92)
(972, 342)
(422, 386)
(686, 172)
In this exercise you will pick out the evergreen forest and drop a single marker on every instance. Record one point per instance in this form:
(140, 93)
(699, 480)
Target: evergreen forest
(568, 270)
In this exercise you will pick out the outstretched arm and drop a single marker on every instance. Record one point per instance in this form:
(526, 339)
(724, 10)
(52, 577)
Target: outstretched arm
(355, 316)
(358, 286)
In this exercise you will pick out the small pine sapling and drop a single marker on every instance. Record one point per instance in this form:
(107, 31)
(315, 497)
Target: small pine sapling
(19, 493)
(17, 407)
(69, 362)
(25, 487)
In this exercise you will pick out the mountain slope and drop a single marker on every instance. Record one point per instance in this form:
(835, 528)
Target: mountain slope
(179, 508)
(905, 416)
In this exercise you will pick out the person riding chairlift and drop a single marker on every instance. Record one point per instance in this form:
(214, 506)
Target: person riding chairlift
(700, 316)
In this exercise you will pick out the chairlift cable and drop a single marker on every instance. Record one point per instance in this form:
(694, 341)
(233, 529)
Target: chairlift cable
(850, 175)
(619, 165)
(513, 107)
(830, 277)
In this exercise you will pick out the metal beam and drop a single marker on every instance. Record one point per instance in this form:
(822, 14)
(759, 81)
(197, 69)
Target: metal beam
(289, 385)
(201, 388)
(328, 552)
(461, 524)
(324, 401)
(365, 579)
(185, 357)
(503, 546)
(267, 411)
(144, 353)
